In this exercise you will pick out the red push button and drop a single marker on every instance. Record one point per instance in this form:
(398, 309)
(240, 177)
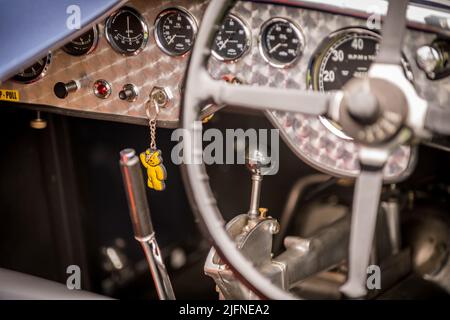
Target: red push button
(102, 89)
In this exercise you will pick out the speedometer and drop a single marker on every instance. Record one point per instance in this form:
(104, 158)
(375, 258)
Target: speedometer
(175, 31)
(127, 31)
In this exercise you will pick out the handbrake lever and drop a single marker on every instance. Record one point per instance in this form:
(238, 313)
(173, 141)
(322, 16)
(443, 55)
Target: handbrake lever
(142, 224)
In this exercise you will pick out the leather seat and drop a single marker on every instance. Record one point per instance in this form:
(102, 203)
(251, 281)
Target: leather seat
(19, 286)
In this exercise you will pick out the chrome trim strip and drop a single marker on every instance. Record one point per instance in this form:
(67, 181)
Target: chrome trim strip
(420, 16)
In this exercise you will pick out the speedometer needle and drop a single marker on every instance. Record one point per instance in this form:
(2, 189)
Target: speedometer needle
(275, 48)
(171, 39)
(224, 44)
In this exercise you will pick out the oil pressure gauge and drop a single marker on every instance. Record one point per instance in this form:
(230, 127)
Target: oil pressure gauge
(175, 31)
(281, 42)
(127, 31)
(232, 40)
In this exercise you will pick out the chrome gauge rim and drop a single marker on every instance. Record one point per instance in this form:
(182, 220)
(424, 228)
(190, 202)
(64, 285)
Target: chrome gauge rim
(248, 41)
(298, 32)
(93, 45)
(47, 61)
(159, 42)
(111, 40)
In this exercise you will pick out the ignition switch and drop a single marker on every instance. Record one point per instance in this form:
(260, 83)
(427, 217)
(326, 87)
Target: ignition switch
(161, 96)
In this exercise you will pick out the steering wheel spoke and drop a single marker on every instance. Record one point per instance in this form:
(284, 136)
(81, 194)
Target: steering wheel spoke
(394, 30)
(262, 98)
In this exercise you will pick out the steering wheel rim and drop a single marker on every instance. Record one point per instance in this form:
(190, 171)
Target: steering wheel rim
(199, 89)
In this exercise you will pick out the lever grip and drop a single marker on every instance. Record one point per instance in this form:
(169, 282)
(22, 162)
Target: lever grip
(136, 196)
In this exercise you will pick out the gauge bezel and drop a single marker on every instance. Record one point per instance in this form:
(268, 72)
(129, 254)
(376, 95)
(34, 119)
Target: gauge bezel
(92, 48)
(111, 40)
(42, 74)
(317, 59)
(298, 31)
(192, 20)
(248, 42)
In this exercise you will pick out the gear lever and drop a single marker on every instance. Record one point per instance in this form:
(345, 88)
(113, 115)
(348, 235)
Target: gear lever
(259, 164)
(142, 224)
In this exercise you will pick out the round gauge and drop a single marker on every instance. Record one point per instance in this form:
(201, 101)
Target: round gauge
(34, 72)
(84, 44)
(347, 55)
(127, 31)
(175, 31)
(344, 55)
(281, 42)
(232, 40)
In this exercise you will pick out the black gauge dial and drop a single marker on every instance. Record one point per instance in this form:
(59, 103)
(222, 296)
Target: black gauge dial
(127, 31)
(34, 72)
(347, 56)
(84, 44)
(344, 55)
(175, 31)
(232, 41)
(281, 42)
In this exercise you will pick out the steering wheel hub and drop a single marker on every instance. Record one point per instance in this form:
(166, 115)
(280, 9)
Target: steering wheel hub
(373, 110)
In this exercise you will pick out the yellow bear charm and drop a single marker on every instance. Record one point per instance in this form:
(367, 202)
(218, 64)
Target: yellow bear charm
(156, 172)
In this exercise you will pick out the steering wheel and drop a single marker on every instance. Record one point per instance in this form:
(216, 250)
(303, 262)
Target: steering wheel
(380, 112)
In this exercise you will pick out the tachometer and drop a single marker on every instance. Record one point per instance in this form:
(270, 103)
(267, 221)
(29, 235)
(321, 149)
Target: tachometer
(345, 54)
(348, 54)
(232, 40)
(127, 31)
(281, 42)
(84, 44)
(34, 72)
(175, 31)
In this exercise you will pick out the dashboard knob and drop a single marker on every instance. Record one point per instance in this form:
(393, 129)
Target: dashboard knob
(129, 93)
(62, 89)
(433, 59)
(428, 58)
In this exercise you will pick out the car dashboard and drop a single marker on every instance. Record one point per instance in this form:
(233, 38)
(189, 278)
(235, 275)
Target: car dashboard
(117, 64)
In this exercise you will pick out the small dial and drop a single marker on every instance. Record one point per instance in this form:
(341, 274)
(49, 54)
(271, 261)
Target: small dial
(34, 72)
(232, 40)
(281, 42)
(175, 31)
(84, 44)
(127, 31)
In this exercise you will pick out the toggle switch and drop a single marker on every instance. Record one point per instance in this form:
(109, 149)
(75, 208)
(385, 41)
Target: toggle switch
(129, 93)
(62, 89)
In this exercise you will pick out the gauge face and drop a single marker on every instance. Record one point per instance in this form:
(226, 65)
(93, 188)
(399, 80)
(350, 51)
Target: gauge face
(348, 56)
(344, 55)
(34, 72)
(281, 42)
(127, 31)
(232, 41)
(84, 44)
(175, 31)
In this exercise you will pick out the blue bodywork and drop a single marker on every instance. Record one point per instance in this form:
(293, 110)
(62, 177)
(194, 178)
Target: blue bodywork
(30, 28)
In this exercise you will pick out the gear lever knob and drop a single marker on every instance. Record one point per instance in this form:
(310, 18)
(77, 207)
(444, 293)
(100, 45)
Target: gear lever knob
(258, 162)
